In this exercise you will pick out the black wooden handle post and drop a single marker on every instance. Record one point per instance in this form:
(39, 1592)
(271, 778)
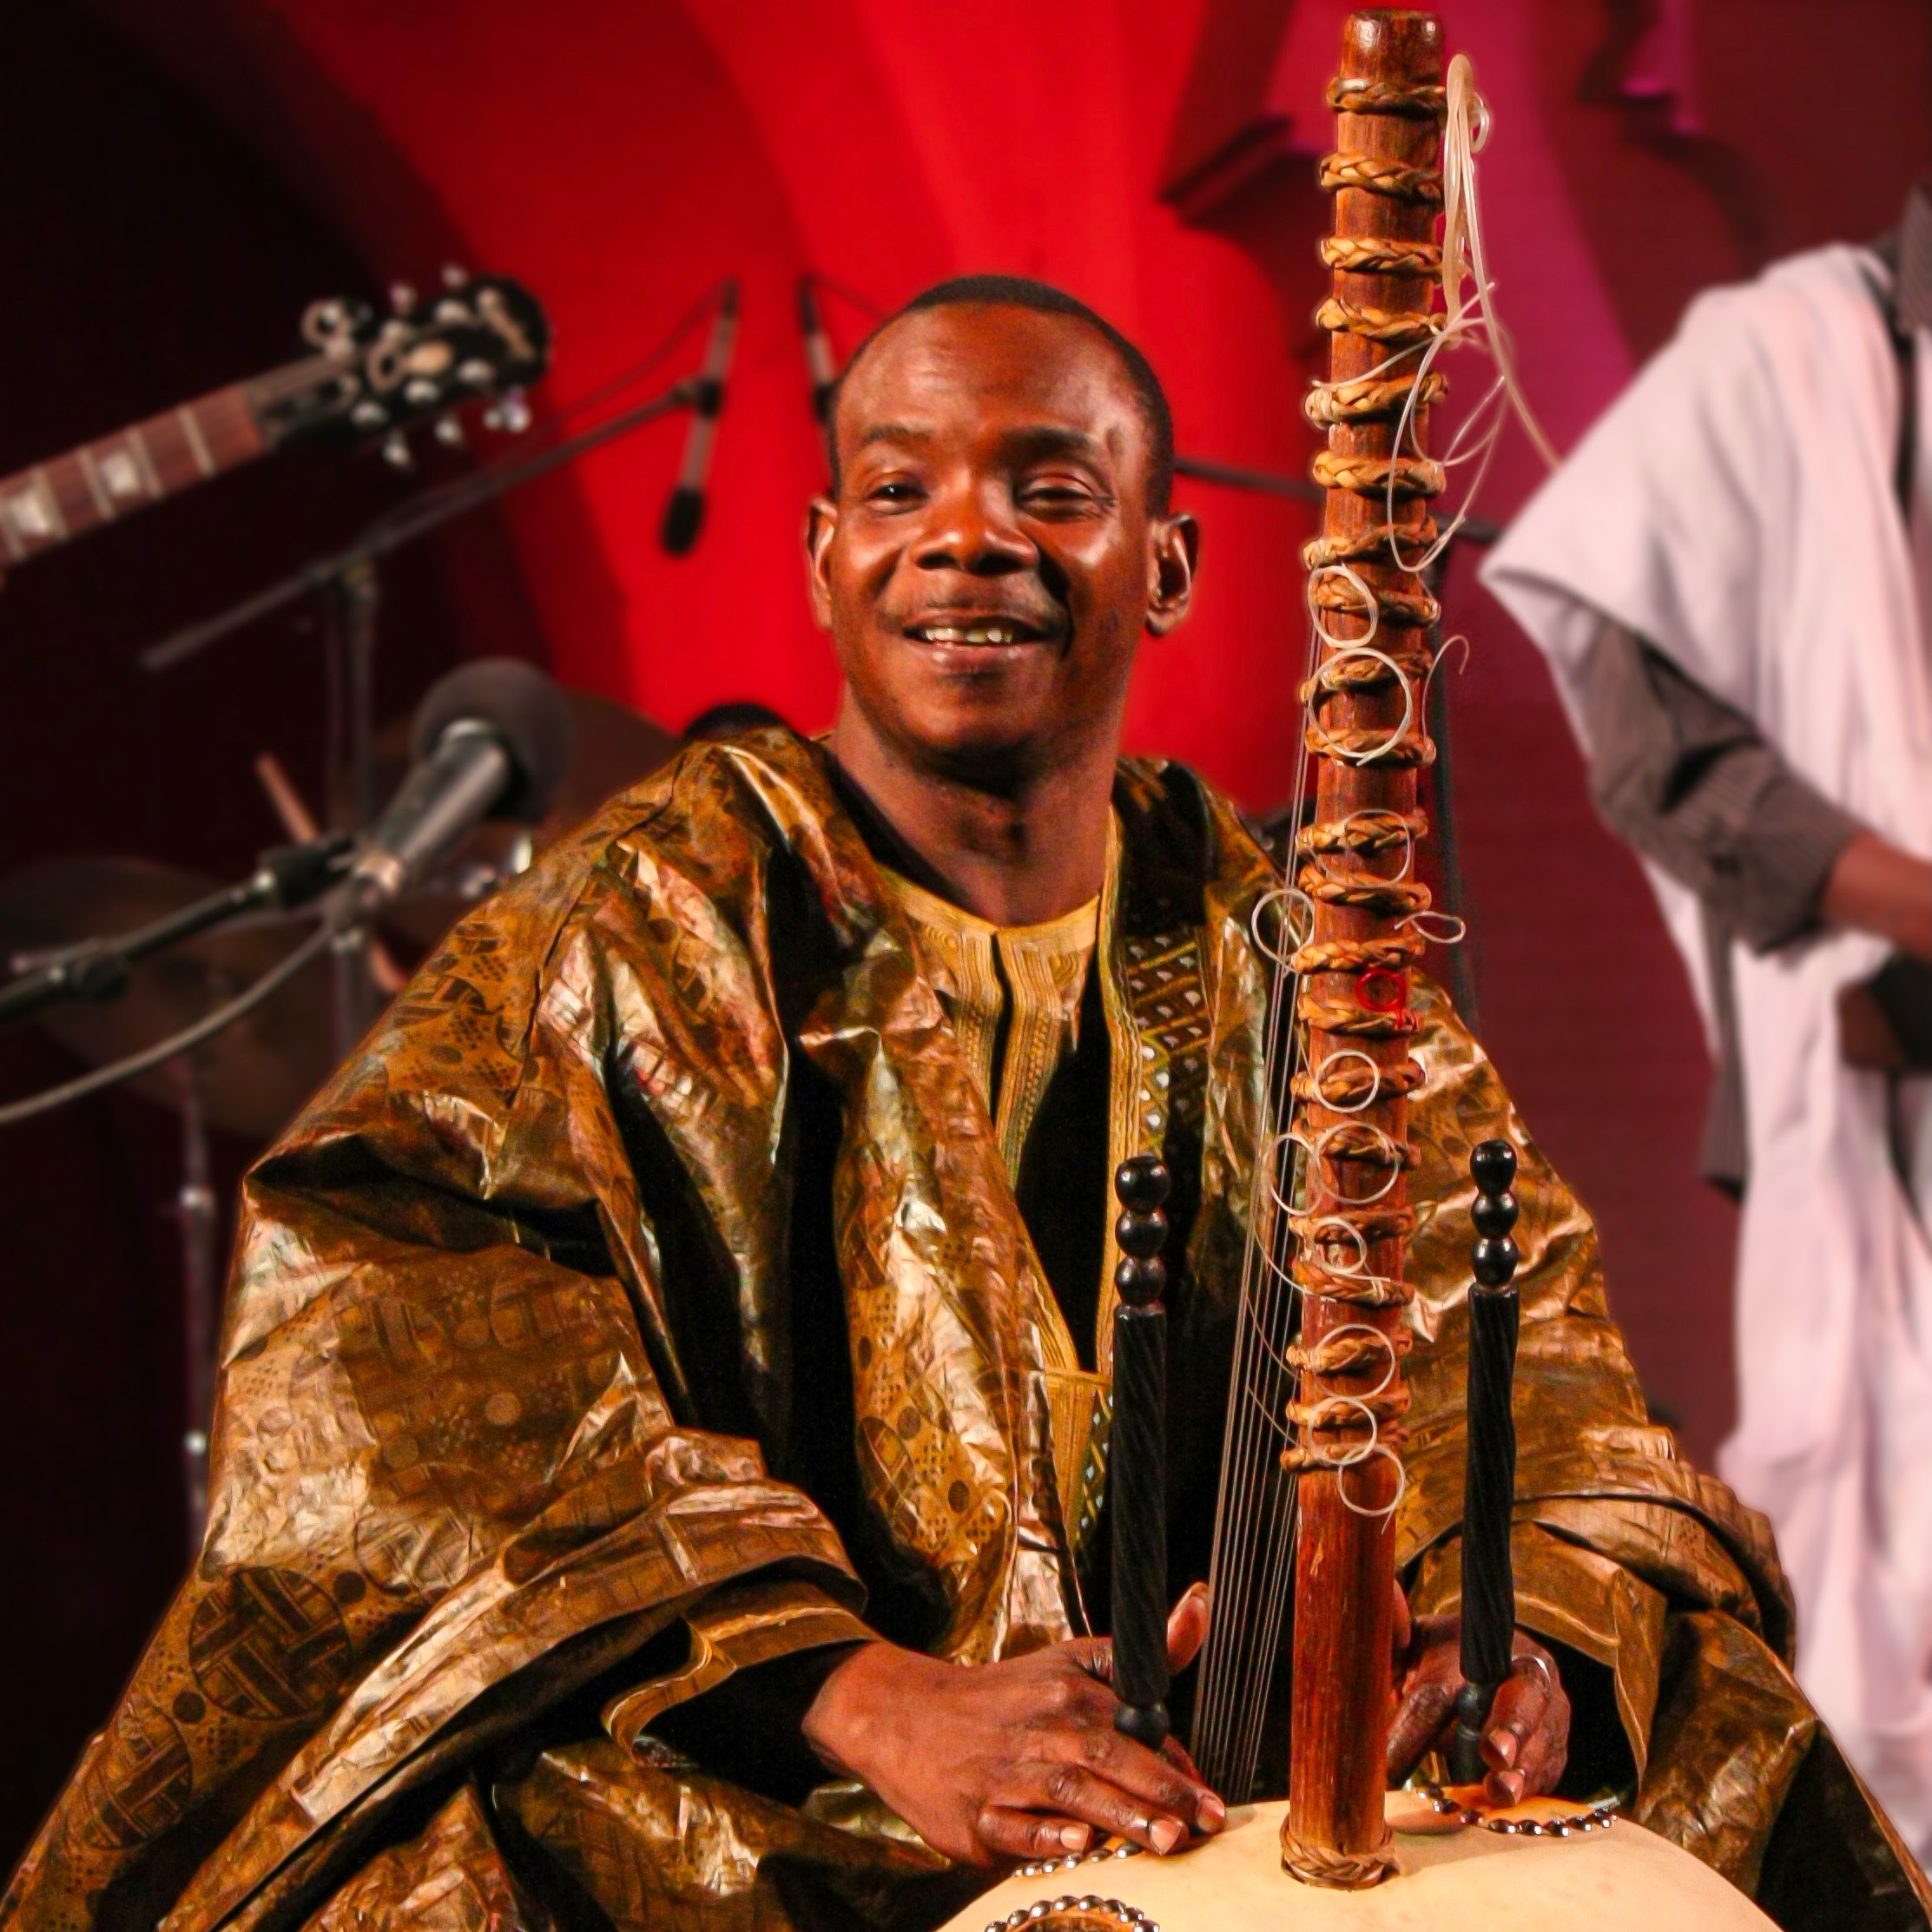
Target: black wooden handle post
(1136, 1460)
(1489, 1477)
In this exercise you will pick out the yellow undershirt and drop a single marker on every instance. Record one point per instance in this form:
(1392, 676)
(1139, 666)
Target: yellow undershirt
(978, 970)
(1033, 978)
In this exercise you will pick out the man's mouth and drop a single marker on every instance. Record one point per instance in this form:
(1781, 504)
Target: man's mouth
(993, 632)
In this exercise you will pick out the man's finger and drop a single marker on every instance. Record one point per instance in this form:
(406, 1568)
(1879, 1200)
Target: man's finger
(1536, 1766)
(1068, 1790)
(1149, 1779)
(1427, 1709)
(1005, 1833)
(1546, 1750)
(1521, 1702)
(1187, 1627)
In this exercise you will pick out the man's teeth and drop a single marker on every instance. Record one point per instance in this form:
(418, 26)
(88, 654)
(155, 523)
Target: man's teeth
(969, 634)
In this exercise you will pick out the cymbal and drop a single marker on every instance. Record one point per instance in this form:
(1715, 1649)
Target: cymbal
(616, 748)
(254, 1076)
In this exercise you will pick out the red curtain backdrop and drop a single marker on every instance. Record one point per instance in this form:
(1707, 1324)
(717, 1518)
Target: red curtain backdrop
(622, 155)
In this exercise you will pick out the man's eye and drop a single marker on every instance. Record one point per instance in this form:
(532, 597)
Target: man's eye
(1057, 493)
(895, 490)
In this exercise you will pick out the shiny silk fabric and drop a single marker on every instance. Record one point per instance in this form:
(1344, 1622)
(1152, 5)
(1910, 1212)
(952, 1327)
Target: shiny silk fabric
(648, 1299)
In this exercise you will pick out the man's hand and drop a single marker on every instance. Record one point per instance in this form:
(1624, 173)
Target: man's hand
(1012, 1760)
(1527, 1741)
(1874, 886)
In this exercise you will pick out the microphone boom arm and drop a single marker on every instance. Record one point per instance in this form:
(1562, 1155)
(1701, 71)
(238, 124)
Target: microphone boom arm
(407, 523)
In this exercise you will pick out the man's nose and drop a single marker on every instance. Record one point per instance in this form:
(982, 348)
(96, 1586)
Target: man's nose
(973, 528)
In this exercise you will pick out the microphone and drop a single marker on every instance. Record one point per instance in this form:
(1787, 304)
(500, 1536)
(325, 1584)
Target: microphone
(684, 513)
(820, 363)
(492, 740)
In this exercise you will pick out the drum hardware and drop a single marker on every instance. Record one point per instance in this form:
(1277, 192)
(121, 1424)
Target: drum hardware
(351, 606)
(348, 585)
(97, 970)
(177, 945)
(1090, 1913)
(299, 824)
(1043, 1868)
(105, 997)
(499, 738)
(178, 948)
(406, 522)
(195, 1209)
(1597, 1817)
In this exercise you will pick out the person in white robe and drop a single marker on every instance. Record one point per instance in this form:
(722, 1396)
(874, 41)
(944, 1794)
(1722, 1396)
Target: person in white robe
(1731, 579)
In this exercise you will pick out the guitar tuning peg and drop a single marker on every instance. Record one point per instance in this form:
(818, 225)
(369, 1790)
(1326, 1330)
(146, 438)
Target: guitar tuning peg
(401, 296)
(396, 452)
(454, 275)
(449, 432)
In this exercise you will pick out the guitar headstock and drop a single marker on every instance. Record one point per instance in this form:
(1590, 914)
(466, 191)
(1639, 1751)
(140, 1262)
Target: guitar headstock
(375, 376)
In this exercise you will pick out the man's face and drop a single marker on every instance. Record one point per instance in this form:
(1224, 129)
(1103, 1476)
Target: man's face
(990, 562)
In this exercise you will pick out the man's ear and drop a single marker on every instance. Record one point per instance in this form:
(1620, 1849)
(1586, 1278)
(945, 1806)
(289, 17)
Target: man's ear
(1174, 554)
(821, 521)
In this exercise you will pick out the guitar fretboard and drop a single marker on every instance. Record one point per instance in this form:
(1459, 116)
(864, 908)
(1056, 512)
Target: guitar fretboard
(102, 481)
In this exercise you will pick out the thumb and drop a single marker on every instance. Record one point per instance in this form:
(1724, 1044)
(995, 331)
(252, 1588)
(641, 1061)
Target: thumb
(1401, 1635)
(1187, 1627)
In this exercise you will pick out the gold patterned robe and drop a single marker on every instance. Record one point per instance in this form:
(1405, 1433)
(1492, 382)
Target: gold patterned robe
(648, 1299)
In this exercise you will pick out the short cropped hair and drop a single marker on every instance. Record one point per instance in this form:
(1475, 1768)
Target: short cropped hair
(1019, 292)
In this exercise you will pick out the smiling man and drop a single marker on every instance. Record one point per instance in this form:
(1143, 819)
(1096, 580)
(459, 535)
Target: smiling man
(660, 1476)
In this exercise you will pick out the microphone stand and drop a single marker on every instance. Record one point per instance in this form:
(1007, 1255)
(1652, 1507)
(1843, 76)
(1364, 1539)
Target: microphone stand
(349, 584)
(285, 877)
(351, 608)
(98, 969)
(404, 525)
(194, 1209)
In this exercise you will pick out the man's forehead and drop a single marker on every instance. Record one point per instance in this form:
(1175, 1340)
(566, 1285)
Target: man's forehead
(932, 363)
